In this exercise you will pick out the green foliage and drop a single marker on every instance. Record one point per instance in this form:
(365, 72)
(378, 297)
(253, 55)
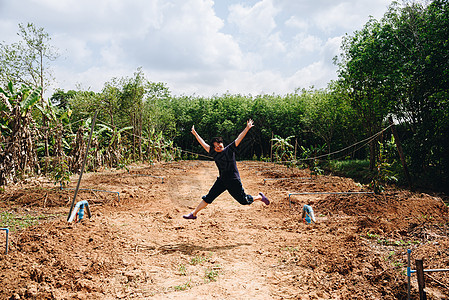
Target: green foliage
(398, 66)
(26, 97)
(61, 99)
(60, 171)
(312, 152)
(182, 287)
(371, 235)
(385, 173)
(182, 270)
(26, 61)
(17, 157)
(310, 158)
(198, 260)
(356, 169)
(327, 115)
(226, 116)
(211, 274)
(282, 149)
(316, 169)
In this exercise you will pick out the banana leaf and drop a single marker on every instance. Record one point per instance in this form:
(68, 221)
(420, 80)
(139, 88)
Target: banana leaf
(30, 99)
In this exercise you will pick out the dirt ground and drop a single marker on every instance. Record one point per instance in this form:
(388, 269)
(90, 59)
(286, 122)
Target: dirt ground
(136, 245)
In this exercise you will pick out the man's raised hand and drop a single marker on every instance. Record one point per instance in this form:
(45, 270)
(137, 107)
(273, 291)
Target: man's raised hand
(249, 123)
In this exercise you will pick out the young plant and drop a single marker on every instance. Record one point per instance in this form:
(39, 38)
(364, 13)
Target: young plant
(316, 170)
(282, 149)
(182, 270)
(182, 287)
(385, 173)
(309, 156)
(197, 260)
(211, 274)
(60, 171)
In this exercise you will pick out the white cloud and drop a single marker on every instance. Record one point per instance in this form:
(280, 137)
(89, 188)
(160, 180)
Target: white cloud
(307, 43)
(332, 46)
(188, 38)
(74, 49)
(253, 47)
(341, 15)
(257, 20)
(297, 23)
(312, 75)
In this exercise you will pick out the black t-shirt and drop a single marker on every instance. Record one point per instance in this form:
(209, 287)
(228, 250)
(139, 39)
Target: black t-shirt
(225, 161)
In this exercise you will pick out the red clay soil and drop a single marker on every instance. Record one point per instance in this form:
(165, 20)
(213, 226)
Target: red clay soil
(138, 246)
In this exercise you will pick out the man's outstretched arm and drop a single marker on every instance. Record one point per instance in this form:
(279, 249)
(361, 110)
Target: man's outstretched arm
(249, 124)
(200, 139)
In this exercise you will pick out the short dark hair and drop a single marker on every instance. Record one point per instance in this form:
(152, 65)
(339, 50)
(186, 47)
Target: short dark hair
(218, 139)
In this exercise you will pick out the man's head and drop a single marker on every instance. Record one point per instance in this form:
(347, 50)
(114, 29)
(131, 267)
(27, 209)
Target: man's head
(217, 143)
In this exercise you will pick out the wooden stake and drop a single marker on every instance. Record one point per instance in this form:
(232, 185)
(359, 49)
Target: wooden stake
(421, 282)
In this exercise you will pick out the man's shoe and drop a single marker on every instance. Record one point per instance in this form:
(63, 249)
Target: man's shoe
(189, 216)
(264, 199)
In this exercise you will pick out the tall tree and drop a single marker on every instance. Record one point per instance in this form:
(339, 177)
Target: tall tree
(28, 61)
(399, 66)
(362, 71)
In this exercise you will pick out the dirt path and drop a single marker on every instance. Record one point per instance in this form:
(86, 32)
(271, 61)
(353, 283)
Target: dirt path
(219, 255)
(141, 248)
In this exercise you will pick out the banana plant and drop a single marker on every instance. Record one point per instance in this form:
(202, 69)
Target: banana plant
(25, 98)
(282, 148)
(113, 133)
(18, 153)
(110, 142)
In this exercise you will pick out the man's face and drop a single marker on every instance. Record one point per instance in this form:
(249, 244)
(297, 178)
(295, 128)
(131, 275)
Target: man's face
(218, 147)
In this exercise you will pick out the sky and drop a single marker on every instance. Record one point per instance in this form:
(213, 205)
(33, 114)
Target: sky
(195, 47)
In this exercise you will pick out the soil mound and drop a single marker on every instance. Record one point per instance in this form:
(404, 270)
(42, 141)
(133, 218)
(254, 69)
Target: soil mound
(138, 246)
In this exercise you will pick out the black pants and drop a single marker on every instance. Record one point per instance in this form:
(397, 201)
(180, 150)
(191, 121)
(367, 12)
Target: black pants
(233, 186)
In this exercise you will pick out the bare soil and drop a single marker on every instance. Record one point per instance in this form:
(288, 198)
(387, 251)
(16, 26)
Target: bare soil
(136, 245)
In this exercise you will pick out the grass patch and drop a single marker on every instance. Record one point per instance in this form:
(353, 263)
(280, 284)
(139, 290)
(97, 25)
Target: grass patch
(356, 169)
(14, 223)
(182, 287)
(290, 249)
(199, 259)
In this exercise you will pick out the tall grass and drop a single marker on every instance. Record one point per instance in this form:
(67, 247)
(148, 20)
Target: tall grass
(355, 169)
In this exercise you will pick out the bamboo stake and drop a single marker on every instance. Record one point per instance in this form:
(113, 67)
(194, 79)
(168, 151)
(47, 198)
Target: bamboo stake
(82, 168)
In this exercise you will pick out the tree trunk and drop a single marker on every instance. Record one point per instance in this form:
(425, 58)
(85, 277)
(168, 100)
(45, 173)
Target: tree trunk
(401, 153)
(372, 155)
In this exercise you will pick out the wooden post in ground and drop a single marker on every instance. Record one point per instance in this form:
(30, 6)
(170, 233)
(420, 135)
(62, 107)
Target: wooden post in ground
(401, 153)
(421, 282)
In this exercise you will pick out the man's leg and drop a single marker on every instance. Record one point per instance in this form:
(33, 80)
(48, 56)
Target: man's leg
(200, 206)
(214, 192)
(236, 190)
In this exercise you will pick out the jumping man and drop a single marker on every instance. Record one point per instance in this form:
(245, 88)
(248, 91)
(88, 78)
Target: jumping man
(229, 177)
